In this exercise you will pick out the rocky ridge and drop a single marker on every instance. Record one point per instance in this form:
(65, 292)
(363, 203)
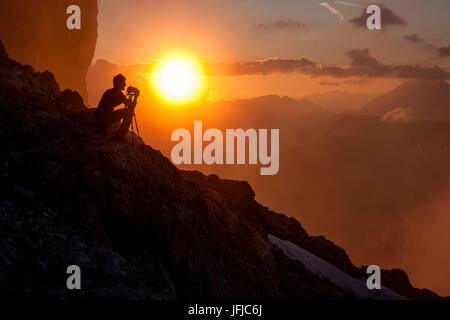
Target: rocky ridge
(138, 227)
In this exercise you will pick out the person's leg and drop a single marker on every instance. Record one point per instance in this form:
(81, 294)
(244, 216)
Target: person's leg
(115, 116)
(105, 120)
(126, 123)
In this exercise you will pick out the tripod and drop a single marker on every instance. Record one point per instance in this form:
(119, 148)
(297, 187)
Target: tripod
(134, 92)
(135, 124)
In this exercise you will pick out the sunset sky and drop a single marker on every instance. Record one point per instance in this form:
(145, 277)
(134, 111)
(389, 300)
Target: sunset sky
(242, 140)
(415, 32)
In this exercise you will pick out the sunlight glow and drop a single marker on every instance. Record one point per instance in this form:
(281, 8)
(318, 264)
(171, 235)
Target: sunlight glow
(177, 80)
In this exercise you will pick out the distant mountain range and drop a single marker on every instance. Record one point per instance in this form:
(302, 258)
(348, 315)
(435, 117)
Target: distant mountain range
(358, 182)
(425, 99)
(340, 101)
(359, 178)
(299, 121)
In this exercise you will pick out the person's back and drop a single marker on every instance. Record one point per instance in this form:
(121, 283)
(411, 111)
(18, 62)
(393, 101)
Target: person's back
(110, 99)
(105, 115)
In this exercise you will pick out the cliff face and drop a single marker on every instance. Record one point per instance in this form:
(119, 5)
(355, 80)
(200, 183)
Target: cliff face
(138, 227)
(35, 33)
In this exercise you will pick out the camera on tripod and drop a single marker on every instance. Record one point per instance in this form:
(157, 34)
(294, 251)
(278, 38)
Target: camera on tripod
(132, 91)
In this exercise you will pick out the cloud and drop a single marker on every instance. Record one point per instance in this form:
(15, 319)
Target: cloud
(333, 10)
(281, 24)
(398, 115)
(357, 82)
(443, 52)
(362, 68)
(329, 83)
(362, 65)
(430, 47)
(414, 38)
(388, 18)
(349, 4)
(261, 67)
(361, 57)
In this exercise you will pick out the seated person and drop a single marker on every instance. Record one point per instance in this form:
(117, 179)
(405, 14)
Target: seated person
(105, 115)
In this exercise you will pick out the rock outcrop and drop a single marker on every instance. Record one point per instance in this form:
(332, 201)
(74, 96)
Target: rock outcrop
(35, 33)
(138, 227)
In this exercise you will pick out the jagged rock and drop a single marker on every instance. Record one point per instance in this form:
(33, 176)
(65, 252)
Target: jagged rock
(71, 100)
(35, 33)
(138, 227)
(3, 53)
(398, 280)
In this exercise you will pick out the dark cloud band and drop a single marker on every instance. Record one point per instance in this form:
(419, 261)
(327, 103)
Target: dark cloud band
(362, 65)
(281, 24)
(414, 38)
(443, 52)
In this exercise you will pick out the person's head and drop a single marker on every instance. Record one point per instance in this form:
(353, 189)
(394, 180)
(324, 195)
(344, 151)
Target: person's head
(119, 82)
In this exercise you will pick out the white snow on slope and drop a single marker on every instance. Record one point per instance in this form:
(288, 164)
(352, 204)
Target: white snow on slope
(326, 270)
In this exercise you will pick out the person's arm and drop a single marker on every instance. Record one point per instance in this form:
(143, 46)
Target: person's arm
(128, 102)
(102, 104)
(131, 102)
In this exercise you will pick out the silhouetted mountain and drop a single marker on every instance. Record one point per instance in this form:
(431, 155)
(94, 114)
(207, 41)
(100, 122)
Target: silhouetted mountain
(340, 101)
(359, 182)
(138, 227)
(425, 99)
(35, 33)
(301, 121)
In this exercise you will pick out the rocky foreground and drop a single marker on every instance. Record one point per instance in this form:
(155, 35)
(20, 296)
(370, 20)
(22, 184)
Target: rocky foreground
(138, 227)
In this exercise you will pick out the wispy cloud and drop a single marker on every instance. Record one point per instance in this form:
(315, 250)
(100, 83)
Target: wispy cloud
(333, 10)
(348, 4)
(329, 83)
(414, 38)
(443, 52)
(398, 115)
(281, 24)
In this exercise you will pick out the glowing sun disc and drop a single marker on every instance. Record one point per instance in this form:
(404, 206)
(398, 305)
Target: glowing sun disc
(177, 80)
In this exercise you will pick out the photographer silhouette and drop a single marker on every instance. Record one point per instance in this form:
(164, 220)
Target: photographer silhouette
(105, 115)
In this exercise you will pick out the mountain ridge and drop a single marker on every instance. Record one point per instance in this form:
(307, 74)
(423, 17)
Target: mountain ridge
(374, 174)
(425, 99)
(137, 226)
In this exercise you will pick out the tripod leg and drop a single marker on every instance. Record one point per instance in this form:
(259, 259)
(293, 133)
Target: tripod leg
(137, 128)
(132, 130)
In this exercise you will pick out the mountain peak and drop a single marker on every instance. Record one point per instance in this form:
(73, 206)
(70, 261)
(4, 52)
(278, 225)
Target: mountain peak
(426, 99)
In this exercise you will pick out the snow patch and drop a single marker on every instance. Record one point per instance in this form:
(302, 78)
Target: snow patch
(325, 270)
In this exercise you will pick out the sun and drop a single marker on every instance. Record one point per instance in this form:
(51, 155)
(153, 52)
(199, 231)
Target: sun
(177, 80)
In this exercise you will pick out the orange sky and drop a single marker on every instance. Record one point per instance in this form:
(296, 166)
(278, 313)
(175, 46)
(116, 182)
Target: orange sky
(139, 31)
